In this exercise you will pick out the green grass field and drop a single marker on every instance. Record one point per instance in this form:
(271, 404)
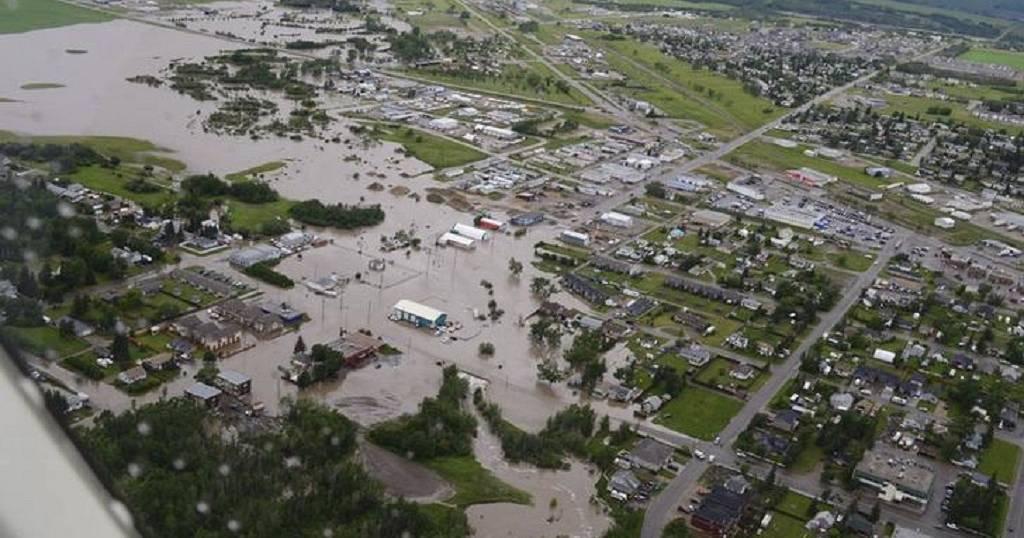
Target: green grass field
(711, 93)
(1001, 459)
(994, 56)
(43, 341)
(129, 150)
(249, 217)
(255, 171)
(851, 260)
(762, 155)
(28, 15)
(104, 179)
(474, 484)
(699, 412)
(433, 150)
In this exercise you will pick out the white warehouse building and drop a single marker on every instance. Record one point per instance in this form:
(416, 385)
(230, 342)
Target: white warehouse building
(471, 232)
(617, 219)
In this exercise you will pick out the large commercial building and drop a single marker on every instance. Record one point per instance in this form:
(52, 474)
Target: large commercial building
(896, 475)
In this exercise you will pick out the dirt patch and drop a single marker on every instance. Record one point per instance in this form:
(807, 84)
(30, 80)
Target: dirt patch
(403, 478)
(399, 190)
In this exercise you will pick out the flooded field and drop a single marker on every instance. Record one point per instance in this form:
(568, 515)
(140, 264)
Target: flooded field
(97, 100)
(266, 23)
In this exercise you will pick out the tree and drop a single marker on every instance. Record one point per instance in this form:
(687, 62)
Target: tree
(67, 328)
(656, 189)
(549, 372)
(120, 349)
(515, 266)
(300, 346)
(677, 528)
(540, 287)
(876, 512)
(486, 349)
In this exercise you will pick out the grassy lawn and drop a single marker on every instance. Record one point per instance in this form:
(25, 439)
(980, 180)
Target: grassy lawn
(28, 15)
(783, 526)
(1000, 459)
(249, 217)
(717, 373)
(994, 56)
(433, 150)
(129, 150)
(474, 484)
(760, 155)
(808, 459)
(699, 412)
(43, 340)
(851, 261)
(250, 173)
(795, 505)
(106, 180)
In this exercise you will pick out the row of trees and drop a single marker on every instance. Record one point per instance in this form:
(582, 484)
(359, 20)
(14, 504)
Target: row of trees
(263, 271)
(341, 216)
(565, 433)
(210, 186)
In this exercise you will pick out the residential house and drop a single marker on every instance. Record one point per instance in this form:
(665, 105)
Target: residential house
(651, 454)
(585, 288)
(132, 375)
(233, 382)
(204, 394)
(786, 420)
(250, 316)
(696, 354)
(624, 482)
(720, 511)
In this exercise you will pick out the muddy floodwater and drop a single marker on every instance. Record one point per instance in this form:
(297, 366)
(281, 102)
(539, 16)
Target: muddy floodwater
(96, 100)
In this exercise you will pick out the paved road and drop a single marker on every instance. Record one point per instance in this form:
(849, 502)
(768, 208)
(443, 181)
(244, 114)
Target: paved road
(664, 505)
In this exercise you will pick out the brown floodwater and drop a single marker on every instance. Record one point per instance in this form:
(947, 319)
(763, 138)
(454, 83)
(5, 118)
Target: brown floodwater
(97, 100)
